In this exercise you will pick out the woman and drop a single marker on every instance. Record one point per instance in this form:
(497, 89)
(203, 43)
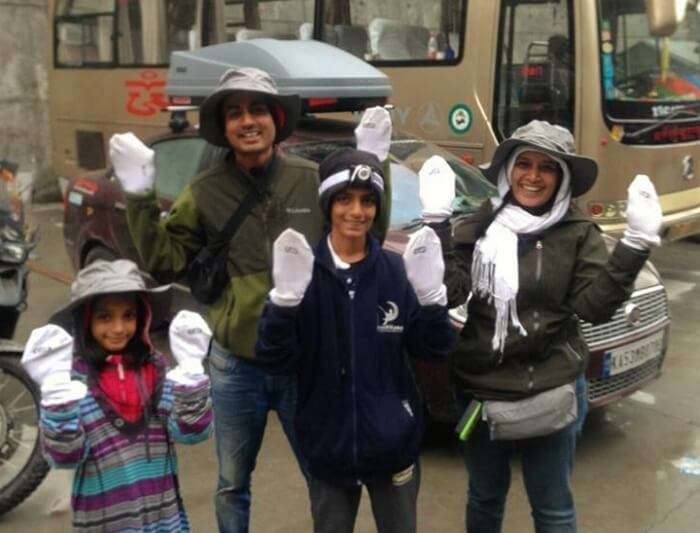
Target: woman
(529, 264)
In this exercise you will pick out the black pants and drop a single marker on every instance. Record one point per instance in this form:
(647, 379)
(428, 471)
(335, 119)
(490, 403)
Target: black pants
(334, 508)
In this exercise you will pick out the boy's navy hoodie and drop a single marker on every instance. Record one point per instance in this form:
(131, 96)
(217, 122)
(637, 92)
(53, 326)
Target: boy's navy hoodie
(358, 413)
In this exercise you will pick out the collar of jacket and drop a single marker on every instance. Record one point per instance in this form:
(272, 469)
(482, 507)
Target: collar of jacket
(261, 179)
(325, 259)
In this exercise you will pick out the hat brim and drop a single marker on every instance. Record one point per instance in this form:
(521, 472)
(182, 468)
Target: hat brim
(584, 170)
(160, 299)
(211, 120)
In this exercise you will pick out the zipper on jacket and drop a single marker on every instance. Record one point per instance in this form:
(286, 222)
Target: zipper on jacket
(353, 386)
(266, 231)
(538, 277)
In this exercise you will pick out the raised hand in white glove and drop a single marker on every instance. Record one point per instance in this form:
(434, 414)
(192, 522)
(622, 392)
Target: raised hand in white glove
(292, 268)
(133, 163)
(48, 358)
(437, 189)
(189, 341)
(425, 267)
(643, 214)
(373, 133)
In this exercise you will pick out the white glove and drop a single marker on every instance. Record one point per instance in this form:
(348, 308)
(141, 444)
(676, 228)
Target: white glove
(437, 189)
(48, 358)
(643, 214)
(292, 268)
(189, 341)
(425, 267)
(133, 163)
(373, 133)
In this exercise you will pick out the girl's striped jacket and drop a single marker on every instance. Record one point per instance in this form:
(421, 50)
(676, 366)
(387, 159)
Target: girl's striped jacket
(126, 474)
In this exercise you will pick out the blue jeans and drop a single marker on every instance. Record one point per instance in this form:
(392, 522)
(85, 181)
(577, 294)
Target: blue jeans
(547, 464)
(242, 394)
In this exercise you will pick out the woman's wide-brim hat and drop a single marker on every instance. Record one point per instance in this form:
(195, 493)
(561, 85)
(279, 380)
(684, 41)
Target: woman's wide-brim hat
(121, 276)
(550, 139)
(285, 108)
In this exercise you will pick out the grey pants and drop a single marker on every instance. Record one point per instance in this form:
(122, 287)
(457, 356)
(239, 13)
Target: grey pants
(334, 508)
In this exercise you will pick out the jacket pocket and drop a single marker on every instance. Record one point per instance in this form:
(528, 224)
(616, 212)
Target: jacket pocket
(472, 357)
(324, 431)
(389, 431)
(565, 360)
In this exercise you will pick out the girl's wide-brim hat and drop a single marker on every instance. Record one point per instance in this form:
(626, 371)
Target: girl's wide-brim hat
(550, 139)
(113, 277)
(286, 109)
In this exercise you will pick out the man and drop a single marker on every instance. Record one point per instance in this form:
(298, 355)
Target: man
(341, 318)
(248, 115)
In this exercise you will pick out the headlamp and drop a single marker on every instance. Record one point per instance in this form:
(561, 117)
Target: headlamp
(361, 173)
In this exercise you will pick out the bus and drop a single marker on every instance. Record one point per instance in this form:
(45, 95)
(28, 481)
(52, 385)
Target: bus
(622, 75)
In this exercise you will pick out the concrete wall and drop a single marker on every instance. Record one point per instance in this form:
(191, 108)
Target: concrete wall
(24, 113)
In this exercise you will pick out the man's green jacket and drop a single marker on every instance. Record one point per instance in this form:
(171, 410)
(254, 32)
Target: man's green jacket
(289, 187)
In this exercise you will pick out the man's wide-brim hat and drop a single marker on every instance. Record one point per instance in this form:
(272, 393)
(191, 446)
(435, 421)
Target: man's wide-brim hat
(285, 109)
(121, 276)
(550, 139)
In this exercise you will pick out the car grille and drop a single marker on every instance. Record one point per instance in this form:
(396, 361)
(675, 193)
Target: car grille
(653, 306)
(599, 388)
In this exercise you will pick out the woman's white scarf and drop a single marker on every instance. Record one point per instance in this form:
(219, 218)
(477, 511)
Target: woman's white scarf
(495, 261)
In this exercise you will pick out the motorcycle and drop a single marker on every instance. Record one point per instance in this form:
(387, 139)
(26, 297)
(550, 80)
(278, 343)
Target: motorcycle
(22, 466)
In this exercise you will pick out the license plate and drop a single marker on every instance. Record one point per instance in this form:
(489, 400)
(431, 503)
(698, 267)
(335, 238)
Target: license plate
(633, 355)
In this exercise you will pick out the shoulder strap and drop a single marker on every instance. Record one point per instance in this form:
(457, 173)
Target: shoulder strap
(231, 227)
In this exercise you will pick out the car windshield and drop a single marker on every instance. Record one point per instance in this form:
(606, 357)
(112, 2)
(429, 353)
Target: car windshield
(407, 158)
(177, 161)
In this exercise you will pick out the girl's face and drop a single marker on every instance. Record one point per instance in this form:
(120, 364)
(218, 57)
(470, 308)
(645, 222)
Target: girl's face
(114, 322)
(534, 178)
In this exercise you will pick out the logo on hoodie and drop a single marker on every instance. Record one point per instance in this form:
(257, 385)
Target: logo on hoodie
(388, 314)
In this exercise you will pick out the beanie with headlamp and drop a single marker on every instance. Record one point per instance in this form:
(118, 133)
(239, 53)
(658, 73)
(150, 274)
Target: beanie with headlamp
(346, 168)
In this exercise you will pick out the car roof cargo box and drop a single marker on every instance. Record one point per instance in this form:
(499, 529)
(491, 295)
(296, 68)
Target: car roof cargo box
(327, 78)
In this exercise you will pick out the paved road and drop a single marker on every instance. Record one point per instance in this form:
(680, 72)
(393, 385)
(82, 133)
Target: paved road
(638, 464)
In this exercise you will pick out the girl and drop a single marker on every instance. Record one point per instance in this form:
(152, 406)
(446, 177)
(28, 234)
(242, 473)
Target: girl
(110, 410)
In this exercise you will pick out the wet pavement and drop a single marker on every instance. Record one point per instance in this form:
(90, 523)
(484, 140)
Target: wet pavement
(637, 466)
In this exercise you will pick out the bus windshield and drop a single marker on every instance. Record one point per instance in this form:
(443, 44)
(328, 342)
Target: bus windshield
(646, 78)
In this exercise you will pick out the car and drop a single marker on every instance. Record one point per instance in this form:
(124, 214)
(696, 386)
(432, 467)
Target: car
(626, 353)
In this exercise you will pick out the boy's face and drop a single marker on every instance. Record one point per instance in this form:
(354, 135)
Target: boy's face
(114, 322)
(352, 212)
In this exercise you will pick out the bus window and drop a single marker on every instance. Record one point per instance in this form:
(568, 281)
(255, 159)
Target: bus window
(84, 32)
(535, 74)
(649, 80)
(241, 20)
(147, 31)
(430, 32)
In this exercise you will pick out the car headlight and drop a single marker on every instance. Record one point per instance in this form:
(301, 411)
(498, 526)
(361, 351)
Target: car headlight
(12, 252)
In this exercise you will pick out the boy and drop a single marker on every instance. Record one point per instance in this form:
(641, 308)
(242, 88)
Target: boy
(341, 317)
